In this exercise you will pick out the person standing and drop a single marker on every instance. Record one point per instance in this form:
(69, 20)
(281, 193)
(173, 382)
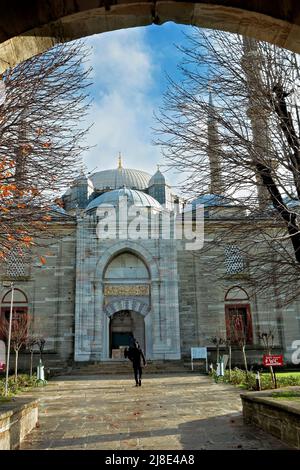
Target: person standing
(135, 354)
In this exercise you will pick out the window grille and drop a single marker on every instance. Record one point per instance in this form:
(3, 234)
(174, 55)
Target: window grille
(234, 260)
(15, 265)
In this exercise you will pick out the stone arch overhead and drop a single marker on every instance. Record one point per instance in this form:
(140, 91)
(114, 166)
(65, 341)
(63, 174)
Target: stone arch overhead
(31, 27)
(127, 304)
(131, 247)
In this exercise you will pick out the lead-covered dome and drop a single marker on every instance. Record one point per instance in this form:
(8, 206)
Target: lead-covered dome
(211, 200)
(158, 178)
(120, 177)
(134, 197)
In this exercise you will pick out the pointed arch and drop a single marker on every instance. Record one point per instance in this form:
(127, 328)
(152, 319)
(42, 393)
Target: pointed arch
(130, 247)
(236, 293)
(130, 304)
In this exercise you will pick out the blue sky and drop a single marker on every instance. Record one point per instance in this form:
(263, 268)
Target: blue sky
(129, 81)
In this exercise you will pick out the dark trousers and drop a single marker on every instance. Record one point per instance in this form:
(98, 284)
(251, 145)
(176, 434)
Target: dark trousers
(137, 372)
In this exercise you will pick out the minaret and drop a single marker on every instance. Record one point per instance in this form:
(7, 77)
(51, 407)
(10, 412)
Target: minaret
(213, 151)
(257, 115)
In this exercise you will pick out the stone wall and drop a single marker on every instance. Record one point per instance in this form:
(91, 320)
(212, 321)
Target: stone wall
(202, 292)
(281, 418)
(17, 419)
(50, 289)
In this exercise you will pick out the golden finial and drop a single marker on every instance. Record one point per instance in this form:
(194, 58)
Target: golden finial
(120, 167)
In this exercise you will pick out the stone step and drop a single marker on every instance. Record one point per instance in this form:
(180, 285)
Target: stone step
(125, 367)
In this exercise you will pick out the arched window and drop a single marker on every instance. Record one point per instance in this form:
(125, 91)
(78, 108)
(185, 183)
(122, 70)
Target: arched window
(20, 307)
(238, 316)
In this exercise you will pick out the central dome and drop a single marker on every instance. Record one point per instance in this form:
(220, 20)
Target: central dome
(120, 177)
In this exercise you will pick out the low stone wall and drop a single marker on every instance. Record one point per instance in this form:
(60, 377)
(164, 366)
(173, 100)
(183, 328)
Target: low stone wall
(279, 417)
(17, 419)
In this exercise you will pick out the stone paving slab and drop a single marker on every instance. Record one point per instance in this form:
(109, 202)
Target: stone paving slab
(169, 412)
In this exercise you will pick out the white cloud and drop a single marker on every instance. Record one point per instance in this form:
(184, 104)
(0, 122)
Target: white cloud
(122, 112)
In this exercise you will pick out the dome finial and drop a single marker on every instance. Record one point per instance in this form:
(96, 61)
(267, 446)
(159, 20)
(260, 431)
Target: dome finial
(158, 167)
(120, 167)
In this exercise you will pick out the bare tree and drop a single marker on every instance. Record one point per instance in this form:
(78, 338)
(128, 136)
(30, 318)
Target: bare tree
(19, 334)
(232, 127)
(267, 339)
(43, 104)
(240, 335)
(31, 342)
(217, 340)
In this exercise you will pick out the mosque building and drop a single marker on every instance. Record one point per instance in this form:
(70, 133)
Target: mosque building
(93, 292)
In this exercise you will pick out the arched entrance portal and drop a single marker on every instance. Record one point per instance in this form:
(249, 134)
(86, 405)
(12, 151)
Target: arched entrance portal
(127, 303)
(122, 325)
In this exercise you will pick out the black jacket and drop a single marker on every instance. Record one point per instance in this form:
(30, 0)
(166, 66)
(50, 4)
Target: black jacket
(136, 356)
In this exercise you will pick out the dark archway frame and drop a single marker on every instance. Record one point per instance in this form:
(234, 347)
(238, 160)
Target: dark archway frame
(31, 27)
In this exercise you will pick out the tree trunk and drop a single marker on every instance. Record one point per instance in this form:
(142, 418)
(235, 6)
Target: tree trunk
(272, 371)
(31, 363)
(229, 361)
(16, 364)
(245, 359)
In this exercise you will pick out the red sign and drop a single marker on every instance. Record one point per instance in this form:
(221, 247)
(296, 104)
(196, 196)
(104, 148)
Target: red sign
(272, 360)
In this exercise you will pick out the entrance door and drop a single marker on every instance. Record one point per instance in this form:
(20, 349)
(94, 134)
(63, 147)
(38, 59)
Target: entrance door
(122, 325)
(120, 339)
(120, 329)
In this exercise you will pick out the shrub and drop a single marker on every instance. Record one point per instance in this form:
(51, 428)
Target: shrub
(239, 378)
(24, 381)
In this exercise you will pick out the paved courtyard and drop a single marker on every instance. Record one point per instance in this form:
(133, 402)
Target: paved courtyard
(169, 412)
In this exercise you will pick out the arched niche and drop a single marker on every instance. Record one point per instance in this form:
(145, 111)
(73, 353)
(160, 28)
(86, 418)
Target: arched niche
(126, 265)
(18, 298)
(236, 293)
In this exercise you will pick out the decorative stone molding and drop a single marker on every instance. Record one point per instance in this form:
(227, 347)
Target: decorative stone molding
(127, 304)
(126, 290)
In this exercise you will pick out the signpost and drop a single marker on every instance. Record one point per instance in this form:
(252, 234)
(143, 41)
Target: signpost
(199, 353)
(272, 360)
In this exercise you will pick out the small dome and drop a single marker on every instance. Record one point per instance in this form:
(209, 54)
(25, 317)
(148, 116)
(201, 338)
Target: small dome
(211, 200)
(291, 202)
(134, 197)
(158, 178)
